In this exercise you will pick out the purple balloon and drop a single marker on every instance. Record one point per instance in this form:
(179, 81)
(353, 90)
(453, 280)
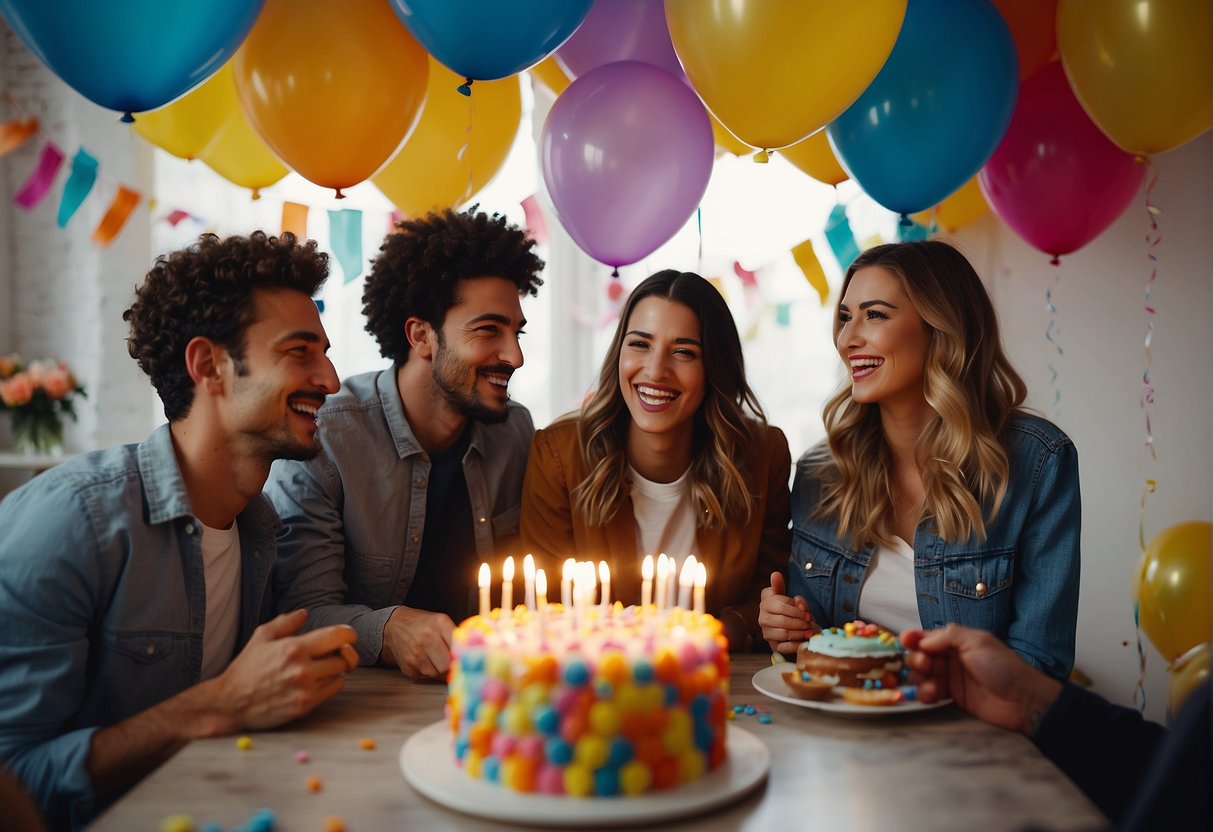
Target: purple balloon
(621, 30)
(626, 153)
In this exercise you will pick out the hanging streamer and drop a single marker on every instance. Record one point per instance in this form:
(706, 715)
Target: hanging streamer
(1051, 331)
(536, 222)
(116, 215)
(79, 183)
(807, 260)
(840, 237)
(294, 219)
(14, 133)
(345, 237)
(783, 314)
(39, 183)
(748, 278)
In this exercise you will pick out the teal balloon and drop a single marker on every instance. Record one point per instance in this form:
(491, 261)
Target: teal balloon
(132, 55)
(936, 110)
(485, 41)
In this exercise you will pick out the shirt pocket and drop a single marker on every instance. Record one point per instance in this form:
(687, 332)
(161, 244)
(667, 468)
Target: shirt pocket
(505, 524)
(142, 648)
(368, 580)
(811, 573)
(979, 588)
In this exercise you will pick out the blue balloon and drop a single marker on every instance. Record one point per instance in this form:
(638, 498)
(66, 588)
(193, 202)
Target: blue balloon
(485, 41)
(936, 110)
(132, 55)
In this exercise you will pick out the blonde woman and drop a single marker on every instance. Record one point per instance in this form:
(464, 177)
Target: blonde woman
(671, 454)
(934, 497)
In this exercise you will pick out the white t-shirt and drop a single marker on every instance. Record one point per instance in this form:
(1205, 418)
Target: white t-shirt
(888, 596)
(221, 566)
(665, 518)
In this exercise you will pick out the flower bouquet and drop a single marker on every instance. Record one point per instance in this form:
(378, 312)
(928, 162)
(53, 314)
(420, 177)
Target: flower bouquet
(39, 396)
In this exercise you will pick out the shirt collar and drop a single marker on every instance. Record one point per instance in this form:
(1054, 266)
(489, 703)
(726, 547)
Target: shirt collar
(163, 486)
(398, 423)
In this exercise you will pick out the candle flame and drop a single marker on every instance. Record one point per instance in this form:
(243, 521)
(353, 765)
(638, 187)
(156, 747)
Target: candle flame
(485, 576)
(541, 586)
(663, 566)
(570, 568)
(604, 572)
(528, 568)
(646, 568)
(689, 569)
(701, 576)
(507, 571)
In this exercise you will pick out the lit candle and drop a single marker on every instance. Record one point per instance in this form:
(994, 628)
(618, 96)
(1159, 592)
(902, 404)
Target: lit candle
(507, 587)
(663, 574)
(566, 583)
(541, 589)
(671, 584)
(646, 587)
(701, 584)
(528, 577)
(483, 580)
(686, 579)
(604, 578)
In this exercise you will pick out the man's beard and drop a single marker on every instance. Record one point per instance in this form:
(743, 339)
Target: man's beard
(449, 372)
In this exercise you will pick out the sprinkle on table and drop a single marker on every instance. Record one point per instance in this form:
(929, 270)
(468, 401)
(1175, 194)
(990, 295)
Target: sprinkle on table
(244, 743)
(366, 744)
(177, 823)
(334, 824)
(301, 756)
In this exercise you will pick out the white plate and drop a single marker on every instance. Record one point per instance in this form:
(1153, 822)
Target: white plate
(769, 682)
(429, 766)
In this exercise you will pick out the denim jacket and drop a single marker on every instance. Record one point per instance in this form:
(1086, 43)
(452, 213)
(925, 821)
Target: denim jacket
(353, 517)
(1020, 583)
(102, 607)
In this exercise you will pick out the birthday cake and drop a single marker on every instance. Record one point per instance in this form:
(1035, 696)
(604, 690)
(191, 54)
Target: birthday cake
(602, 701)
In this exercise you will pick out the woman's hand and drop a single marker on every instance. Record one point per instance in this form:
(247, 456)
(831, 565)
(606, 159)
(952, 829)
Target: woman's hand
(785, 621)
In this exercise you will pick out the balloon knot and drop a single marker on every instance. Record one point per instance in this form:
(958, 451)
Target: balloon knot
(466, 87)
(905, 222)
(256, 194)
(339, 194)
(127, 118)
(762, 156)
(615, 272)
(1141, 159)
(1056, 261)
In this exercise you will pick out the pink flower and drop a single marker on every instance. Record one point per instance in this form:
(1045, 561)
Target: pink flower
(17, 390)
(58, 382)
(9, 365)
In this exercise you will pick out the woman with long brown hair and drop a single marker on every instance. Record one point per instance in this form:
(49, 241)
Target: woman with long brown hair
(671, 454)
(935, 498)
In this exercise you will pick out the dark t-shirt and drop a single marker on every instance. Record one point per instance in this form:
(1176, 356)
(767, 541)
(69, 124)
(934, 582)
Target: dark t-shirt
(446, 571)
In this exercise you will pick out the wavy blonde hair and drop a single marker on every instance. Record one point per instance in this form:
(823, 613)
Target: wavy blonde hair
(722, 428)
(967, 381)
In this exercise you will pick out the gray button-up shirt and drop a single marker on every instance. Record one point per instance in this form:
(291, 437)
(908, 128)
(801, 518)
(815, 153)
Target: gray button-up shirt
(353, 517)
(102, 608)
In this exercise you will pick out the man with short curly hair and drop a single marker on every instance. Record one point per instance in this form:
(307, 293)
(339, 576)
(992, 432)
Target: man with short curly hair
(420, 478)
(136, 580)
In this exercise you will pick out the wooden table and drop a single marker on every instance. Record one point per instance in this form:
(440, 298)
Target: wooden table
(936, 770)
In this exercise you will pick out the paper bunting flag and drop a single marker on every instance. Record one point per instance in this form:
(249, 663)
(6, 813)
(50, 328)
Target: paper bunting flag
(14, 133)
(783, 314)
(748, 279)
(39, 183)
(345, 237)
(176, 217)
(536, 222)
(718, 282)
(806, 259)
(116, 216)
(840, 237)
(294, 219)
(79, 183)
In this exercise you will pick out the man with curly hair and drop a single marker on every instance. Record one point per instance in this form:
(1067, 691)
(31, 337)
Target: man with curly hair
(136, 580)
(420, 477)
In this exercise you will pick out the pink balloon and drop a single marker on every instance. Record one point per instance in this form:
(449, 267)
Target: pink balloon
(621, 30)
(626, 153)
(1055, 178)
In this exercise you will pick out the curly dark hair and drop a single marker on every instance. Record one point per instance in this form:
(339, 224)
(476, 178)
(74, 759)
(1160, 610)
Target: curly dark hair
(206, 290)
(419, 264)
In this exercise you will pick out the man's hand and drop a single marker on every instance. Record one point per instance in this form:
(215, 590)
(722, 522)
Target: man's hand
(785, 622)
(279, 676)
(984, 676)
(418, 642)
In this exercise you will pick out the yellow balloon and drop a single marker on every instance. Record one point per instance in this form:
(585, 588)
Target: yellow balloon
(550, 73)
(726, 141)
(1142, 69)
(815, 157)
(332, 88)
(239, 155)
(186, 126)
(1172, 586)
(775, 71)
(1186, 675)
(428, 173)
(958, 210)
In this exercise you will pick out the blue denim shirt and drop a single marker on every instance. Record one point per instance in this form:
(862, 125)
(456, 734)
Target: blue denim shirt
(1020, 583)
(102, 607)
(353, 517)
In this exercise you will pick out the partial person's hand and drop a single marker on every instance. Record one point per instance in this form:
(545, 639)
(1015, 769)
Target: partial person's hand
(985, 676)
(279, 676)
(785, 622)
(418, 642)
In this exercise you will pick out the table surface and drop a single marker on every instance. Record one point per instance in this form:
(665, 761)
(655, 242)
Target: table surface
(934, 770)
